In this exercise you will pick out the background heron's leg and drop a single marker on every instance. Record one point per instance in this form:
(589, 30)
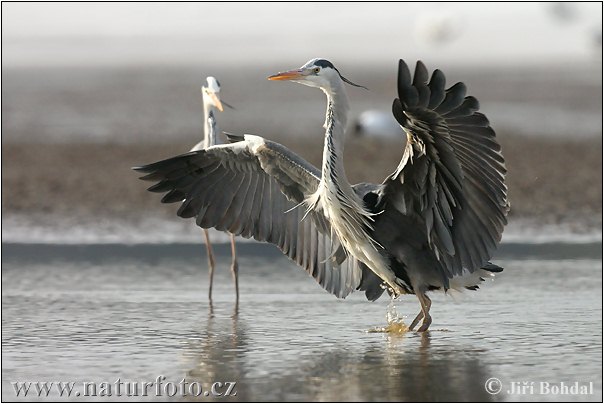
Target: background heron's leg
(419, 316)
(426, 304)
(211, 262)
(235, 267)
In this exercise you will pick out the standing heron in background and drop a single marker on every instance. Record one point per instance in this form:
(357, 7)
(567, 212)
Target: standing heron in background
(433, 224)
(211, 102)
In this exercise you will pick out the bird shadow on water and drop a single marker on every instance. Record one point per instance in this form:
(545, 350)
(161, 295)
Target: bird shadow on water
(385, 367)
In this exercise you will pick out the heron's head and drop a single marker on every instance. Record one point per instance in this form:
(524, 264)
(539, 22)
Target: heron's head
(318, 72)
(211, 93)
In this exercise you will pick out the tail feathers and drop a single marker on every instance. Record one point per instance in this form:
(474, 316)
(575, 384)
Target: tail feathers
(470, 281)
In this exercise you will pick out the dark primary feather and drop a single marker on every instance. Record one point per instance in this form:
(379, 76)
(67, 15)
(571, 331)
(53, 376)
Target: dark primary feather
(453, 186)
(257, 192)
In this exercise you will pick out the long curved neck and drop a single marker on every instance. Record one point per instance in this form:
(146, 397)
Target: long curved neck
(335, 124)
(349, 219)
(210, 128)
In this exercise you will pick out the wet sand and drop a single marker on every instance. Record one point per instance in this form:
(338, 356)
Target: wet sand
(550, 181)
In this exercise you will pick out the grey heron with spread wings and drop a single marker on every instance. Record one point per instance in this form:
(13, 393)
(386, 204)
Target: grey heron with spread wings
(433, 224)
(212, 103)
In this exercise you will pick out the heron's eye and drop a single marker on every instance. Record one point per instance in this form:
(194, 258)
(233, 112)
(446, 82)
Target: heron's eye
(317, 70)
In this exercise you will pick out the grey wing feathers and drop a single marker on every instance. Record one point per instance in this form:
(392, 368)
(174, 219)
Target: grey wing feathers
(255, 189)
(454, 179)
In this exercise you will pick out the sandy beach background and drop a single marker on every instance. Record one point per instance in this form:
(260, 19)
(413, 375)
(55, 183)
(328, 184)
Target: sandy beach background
(70, 136)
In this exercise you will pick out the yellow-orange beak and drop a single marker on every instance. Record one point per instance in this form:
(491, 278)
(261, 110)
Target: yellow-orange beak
(216, 101)
(289, 75)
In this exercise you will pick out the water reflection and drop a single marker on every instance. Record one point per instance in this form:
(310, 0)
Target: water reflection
(391, 372)
(402, 367)
(217, 353)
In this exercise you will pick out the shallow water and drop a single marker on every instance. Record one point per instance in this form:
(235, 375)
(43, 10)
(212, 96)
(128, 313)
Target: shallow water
(96, 313)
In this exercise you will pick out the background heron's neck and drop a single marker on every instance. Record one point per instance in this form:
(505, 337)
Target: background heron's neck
(210, 129)
(335, 125)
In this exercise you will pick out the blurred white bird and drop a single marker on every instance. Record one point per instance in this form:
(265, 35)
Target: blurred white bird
(437, 28)
(378, 124)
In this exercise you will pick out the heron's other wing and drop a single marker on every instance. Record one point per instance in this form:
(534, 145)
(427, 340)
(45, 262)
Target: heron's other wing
(451, 176)
(255, 188)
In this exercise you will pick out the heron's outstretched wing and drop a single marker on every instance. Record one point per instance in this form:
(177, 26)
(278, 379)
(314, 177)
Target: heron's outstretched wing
(451, 176)
(255, 188)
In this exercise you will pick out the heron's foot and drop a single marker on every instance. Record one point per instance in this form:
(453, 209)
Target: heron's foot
(419, 316)
(425, 324)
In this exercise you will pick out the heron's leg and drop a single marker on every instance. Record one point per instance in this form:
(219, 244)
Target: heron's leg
(211, 262)
(426, 304)
(419, 316)
(235, 267)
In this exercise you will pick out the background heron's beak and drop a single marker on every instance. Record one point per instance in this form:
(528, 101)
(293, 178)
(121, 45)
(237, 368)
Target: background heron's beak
(289, 75)
(216, 101)
(226, 104)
